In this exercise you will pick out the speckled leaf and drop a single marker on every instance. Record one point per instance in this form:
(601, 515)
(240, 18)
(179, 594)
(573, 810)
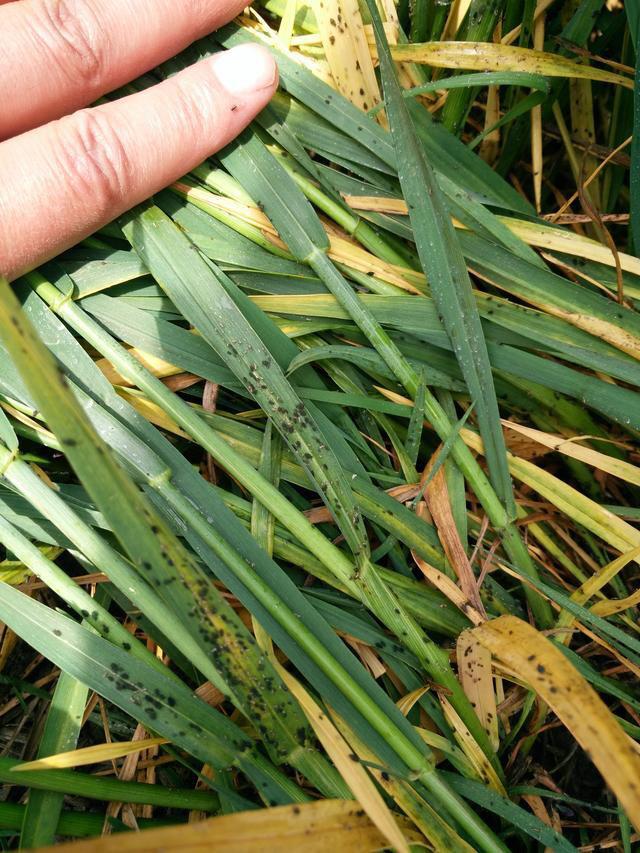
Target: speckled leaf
(158, 702)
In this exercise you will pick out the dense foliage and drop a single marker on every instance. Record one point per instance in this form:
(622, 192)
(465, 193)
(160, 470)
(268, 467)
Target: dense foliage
(319, 471)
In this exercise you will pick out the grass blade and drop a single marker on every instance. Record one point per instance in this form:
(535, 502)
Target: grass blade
(446, 270)
(61, 731)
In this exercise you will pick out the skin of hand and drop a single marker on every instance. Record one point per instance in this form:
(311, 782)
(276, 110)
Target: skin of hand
(65, 169)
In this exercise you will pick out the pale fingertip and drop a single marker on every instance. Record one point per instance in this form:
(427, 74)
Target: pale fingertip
(246, 70)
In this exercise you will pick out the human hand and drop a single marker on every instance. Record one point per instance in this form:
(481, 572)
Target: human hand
(64, 174)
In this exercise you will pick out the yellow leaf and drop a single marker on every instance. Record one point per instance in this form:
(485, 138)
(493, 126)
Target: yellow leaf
(474, 672)
(380, 204)
(449, 588)
(608, 608)
(287, 23)
(305, 828)
(367, 655)
(594, 584)
(570, 447)
(459, 9)
(486, 56)
(443, 748)
(535, 234)
(573, 700)
(469, 746)
(13, 572)
(568, 242)
(347, 51)
(615, 335)
(577, 506)
(90, 755)
(513, 34)
(157, 366)
(153, 413)
(350, 253)
(351, 771)
(536, 124)
(439, 833)
(406, 703)
(28, 421)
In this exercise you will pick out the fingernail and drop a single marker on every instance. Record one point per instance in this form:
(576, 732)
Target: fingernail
(246, 69)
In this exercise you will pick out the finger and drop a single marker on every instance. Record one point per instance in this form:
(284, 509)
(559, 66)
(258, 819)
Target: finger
(59, 55)
(60, 182)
